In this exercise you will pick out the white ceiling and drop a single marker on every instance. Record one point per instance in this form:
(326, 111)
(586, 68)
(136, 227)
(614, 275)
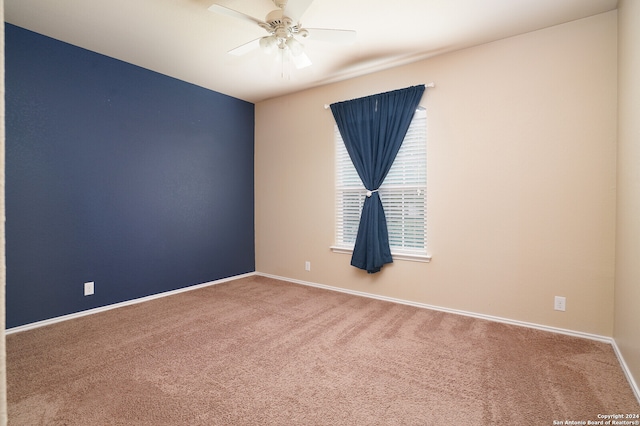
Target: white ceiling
(182, 39)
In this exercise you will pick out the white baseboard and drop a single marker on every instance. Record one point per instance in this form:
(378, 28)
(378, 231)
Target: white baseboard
(605, 339)
(442, 309)
(121, 304)
(627, 372)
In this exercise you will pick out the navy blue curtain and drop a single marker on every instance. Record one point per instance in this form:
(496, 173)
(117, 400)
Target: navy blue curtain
(373, 129)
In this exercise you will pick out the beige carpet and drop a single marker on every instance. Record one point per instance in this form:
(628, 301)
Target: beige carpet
(257, 351)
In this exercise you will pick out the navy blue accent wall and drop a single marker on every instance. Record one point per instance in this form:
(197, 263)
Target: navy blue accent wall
(119, 175)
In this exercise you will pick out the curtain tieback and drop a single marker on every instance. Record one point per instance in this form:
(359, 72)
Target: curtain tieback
(369, 193)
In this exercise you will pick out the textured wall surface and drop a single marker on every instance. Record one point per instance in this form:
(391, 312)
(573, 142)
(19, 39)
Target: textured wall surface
(627, 289)
(521, 180)
(115, 174)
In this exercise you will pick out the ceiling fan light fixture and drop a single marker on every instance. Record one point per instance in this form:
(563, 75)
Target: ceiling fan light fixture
(294, 46)
(268, 44)
(281, 32)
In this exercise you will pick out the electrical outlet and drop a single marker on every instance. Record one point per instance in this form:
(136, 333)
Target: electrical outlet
(89, 288)
(560, 303)
(307, 266)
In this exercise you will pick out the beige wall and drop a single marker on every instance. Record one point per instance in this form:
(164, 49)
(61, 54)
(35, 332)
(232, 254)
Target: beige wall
(627, 287)
(521, 180)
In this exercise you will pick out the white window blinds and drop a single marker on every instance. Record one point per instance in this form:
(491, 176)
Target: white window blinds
(403, 193)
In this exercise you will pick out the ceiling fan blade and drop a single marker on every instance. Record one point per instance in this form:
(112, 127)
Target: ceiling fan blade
(331, 35)
(246, 48)
(223, 10)
(296, 8)
(301, 60)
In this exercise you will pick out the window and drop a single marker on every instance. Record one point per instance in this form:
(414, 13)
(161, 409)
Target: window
(403, 194)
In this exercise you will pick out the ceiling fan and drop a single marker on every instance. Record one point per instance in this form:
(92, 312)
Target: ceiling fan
(284, 29)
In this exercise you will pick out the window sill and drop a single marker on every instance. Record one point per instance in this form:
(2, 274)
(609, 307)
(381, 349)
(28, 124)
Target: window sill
(412, 257)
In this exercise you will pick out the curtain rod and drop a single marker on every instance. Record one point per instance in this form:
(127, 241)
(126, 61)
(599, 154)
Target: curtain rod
(327, 106)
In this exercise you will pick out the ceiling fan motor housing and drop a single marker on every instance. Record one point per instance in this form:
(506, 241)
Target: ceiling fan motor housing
(275, 19)
(282, 27)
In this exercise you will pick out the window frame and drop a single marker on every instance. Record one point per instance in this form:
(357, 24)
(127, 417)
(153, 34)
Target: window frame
(344, 167)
